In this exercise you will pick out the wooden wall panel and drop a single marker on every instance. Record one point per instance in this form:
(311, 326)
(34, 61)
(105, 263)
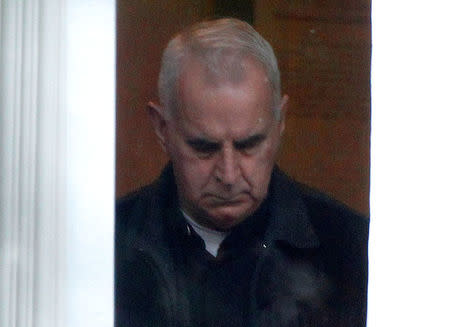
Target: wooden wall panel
(143, 29)
(323, 48)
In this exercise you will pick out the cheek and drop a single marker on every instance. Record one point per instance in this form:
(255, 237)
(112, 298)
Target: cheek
(192, 174)
(258, 169)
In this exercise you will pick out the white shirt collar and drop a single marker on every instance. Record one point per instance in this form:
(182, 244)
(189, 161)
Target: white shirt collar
(212, 238)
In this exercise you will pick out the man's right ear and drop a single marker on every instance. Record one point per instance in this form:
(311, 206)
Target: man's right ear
(159, 122)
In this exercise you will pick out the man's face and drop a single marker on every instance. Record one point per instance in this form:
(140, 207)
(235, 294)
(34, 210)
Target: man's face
(223, 141)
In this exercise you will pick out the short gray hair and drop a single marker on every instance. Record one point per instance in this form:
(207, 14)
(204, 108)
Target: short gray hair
(221, 44)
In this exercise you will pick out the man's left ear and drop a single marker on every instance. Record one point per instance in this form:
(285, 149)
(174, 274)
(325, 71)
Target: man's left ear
(283, 109)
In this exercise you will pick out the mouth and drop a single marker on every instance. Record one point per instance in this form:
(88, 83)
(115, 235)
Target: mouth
(234, 200)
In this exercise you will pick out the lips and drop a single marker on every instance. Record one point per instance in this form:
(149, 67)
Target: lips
(219, 200)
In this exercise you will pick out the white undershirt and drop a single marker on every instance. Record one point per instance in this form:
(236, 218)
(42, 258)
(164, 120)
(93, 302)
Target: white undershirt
(212, 238)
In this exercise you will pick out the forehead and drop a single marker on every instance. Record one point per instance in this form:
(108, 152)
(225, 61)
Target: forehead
(219, 106)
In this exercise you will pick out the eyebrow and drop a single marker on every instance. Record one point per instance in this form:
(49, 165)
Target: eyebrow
(250, 141)
(205, 145)
(201, 144)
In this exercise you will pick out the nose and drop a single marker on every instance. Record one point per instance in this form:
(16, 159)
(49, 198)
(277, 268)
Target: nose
(227, 170)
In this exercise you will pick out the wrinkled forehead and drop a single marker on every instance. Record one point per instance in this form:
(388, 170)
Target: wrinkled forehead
(203, 93)
(217, 70)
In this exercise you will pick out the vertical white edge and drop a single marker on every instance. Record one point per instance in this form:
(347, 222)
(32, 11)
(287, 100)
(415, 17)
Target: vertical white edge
(409, 243)
(90, 161)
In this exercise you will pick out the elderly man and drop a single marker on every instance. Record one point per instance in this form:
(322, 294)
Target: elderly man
(223, 237)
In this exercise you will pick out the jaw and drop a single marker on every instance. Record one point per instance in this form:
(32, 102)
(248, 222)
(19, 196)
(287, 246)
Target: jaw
(223, 215)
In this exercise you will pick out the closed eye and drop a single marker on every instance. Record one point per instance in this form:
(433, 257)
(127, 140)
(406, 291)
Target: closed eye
(249, 143)
(203, 146)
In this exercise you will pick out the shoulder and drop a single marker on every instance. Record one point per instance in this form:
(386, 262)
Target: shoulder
(331, 216)
(137, 197)
(327, 214)
(136, 219)
(343, 235)
(135, 205)
(340, 256)
(341, 230)
(140, 275)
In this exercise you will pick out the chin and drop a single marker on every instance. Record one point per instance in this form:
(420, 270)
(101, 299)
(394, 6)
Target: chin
(226, 218)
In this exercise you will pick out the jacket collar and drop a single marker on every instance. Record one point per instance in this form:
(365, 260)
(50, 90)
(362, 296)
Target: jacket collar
(289, 221)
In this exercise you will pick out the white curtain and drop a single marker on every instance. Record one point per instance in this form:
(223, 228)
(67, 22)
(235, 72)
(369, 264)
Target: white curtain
(32, 158)
(50, 258)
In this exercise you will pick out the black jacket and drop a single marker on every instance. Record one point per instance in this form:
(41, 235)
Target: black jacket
(310, 266)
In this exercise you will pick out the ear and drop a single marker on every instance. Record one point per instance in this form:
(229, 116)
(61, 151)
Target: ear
(159, 122)
(283, 110)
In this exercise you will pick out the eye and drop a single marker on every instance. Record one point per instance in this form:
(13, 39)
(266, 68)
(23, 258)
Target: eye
(203, 147)
(250, 143)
